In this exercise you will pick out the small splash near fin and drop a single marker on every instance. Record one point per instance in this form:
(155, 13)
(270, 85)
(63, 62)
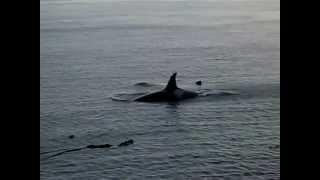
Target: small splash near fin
(208, 92)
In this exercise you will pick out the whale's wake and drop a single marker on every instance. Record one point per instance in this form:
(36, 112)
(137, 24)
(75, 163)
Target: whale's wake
(171, 92)
(126, 97)
(129, 97)
(220, 93)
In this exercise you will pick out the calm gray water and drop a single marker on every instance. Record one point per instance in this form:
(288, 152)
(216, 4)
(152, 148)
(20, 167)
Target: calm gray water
(94, 51)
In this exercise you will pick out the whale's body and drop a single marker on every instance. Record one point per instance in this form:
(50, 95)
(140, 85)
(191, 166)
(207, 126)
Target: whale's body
(168, 94)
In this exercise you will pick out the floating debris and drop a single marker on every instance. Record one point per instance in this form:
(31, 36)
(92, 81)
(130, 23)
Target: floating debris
(99, 146)
(126, 143)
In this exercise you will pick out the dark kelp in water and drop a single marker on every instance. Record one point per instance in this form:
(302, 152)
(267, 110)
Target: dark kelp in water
(125, 143)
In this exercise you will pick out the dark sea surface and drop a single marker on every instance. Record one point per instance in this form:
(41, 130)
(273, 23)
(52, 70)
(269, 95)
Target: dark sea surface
(95, 54)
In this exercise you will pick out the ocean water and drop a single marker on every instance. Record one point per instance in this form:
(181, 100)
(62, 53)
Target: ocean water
(95, 52)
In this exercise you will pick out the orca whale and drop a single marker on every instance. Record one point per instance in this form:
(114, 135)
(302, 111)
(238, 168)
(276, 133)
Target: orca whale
(170, 93)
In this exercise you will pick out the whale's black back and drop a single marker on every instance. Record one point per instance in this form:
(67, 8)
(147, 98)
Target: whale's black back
(169, 93)
(159, 96)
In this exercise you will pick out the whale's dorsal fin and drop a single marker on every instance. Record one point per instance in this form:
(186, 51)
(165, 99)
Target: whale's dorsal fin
(172, 85)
